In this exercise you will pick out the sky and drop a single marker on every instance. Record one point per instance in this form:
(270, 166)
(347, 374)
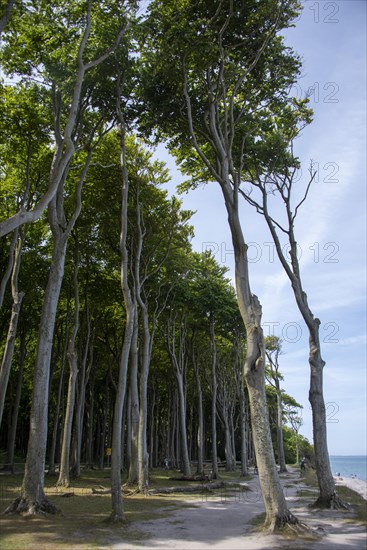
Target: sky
(331, 228)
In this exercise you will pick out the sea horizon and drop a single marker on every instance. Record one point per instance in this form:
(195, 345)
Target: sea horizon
(349, 465)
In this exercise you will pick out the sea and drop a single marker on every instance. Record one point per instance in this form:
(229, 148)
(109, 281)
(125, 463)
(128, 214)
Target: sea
(349, 466)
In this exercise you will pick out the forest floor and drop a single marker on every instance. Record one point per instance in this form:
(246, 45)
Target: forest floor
(229, 518)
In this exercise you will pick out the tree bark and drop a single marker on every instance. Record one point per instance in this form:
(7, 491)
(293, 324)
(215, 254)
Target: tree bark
(133, 403)
(64, 474)
(277, 513)
(32, 498)
(14, 420)
(200, 432)
(177, 357)
(13, 325)
(327, 497)
(116, 457)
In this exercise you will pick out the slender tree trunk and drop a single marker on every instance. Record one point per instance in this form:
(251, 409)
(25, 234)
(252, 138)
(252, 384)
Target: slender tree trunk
(14, 420)
(244, 463)
(200, 432)
(178, 362)
(51, 466)
(153, 420)
(13, 325)
(116, 458)
(185, 466)
(80, 405)
(328, 497)
(277, 513)
(214, 387)
(33, 499)
(89, 450)
(143, 457)
(9, 268)
(281, 457)
(64, 474)
(134, 408)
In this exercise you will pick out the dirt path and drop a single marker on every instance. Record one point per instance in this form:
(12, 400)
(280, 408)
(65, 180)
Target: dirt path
(223, 523)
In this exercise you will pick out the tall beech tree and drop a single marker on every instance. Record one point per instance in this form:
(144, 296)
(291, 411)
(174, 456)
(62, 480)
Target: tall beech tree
(76, 124)
(215, 73)
(278, 178)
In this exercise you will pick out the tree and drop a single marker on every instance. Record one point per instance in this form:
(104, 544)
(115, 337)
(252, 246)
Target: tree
(278, 178)
(82, 126)
(27, 53)
(214, 76)
(273, 348)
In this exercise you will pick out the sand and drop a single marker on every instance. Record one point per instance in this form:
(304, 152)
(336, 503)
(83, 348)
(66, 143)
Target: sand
(223, 522)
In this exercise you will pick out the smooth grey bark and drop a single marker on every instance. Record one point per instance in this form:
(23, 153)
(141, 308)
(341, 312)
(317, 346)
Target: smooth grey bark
(13, 324)
(281, 456)
(277, 513)
(84, 373)
(214, 388)
(9, 268)
(64, 473)
(14, 419)
(178, 360)
(133, 404)
(273, 345)
(51, 468)
(200, 429)
(32, 498)
(89, 447)
(243, 425)
(116, 457)
(284, 186)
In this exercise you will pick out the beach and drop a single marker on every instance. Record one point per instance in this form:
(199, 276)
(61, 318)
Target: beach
(357, 485)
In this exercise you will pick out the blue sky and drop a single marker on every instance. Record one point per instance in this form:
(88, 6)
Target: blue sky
(331, 230)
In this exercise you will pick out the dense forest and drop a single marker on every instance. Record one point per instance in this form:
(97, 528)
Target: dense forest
(122, 347)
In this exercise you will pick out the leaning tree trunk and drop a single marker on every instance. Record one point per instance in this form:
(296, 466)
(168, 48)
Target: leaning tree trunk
(214, 388)
(32, 498)
(13, 325)
(277, 513)
(64, 474)
(116, 457)
(14, 420)
(244, 462)
(133, 413)
(328, 497)
(143, 458)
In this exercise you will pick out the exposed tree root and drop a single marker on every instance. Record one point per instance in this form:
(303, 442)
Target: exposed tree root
(193, 489)
(289, 525)
(32, 508)
(334, 502)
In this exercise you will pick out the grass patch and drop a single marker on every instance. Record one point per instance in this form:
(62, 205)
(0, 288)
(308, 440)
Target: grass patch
(359, 505)
(82, 524)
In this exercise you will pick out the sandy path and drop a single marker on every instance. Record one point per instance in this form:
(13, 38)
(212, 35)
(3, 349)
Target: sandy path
(223, 523)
